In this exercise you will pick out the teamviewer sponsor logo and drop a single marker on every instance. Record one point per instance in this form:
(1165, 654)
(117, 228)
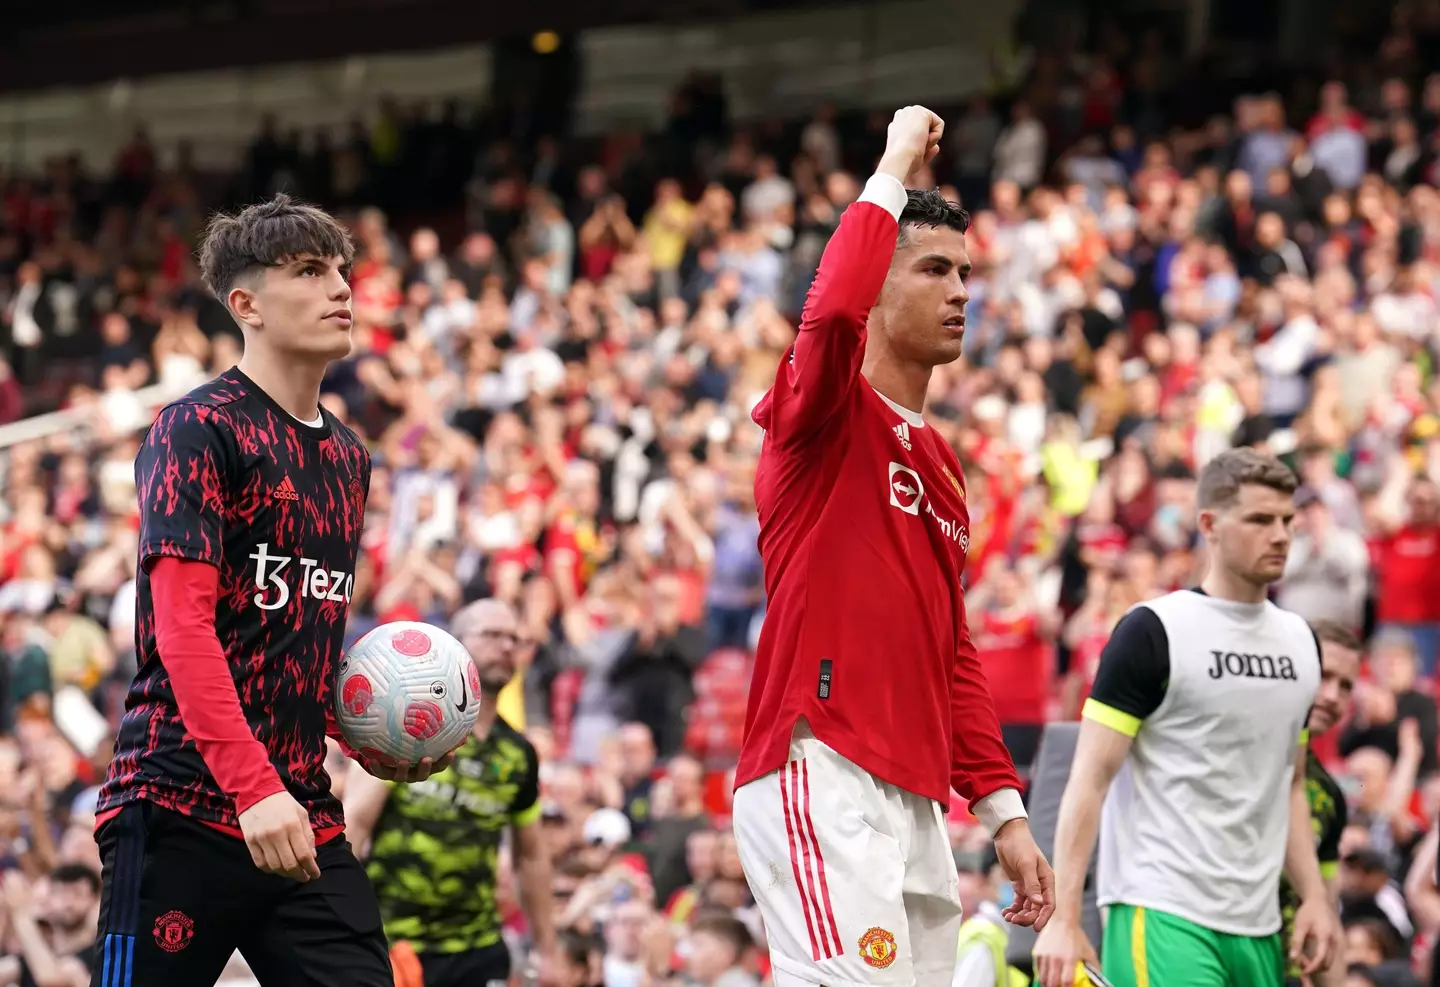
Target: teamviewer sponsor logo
(906, 490)
(315, 582)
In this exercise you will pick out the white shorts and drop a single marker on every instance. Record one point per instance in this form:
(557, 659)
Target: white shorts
(854, 877)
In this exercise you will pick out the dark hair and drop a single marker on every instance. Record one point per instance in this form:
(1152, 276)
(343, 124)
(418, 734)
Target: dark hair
(576, 947)
(76, 874)
(1336, 633)
(1367, 859)
(1381, 934)
(725, 927)
(1223, 476)
(268, 234)
(928, 207)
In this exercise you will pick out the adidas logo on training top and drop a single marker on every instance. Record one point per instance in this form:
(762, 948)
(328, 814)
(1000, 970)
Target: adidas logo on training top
(285, 491)
(903, 432)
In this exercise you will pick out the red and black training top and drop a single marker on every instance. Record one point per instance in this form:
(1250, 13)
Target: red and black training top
(250, 528)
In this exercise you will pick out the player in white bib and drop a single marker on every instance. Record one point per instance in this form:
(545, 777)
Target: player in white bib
(1193, 739)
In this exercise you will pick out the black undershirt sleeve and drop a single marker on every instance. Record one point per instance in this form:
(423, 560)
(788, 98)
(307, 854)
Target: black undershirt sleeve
(1134, 668)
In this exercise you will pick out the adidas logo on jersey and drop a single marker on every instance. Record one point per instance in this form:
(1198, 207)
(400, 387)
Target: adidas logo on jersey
(285, 491)
(902, 432)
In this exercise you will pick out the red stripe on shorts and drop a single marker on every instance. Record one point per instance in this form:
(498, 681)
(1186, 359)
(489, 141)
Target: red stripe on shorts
(812, 870)
(791, 818)
(819, 859)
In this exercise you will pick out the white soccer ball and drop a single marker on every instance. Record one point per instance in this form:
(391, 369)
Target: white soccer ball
(406, 691)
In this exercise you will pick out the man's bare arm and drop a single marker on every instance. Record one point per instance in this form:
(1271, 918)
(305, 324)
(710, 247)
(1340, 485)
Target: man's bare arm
(45, 967)
(365, 797)
(1099, 753)
(1317, 940)
(1105, 738)
(1421, 892)
(1302, 866)
(1130, 684)
(532, 870)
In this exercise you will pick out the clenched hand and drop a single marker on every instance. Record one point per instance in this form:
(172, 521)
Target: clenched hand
(911, 142)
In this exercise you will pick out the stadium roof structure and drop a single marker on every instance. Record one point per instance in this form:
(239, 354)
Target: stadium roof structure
(86, 41)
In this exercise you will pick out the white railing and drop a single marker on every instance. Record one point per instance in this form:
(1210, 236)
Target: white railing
(80, 419)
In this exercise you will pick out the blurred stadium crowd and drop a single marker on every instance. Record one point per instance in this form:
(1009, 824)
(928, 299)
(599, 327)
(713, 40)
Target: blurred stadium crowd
(558, 343)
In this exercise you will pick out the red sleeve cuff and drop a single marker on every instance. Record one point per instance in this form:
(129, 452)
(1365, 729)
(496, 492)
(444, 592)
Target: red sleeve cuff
(259, 793)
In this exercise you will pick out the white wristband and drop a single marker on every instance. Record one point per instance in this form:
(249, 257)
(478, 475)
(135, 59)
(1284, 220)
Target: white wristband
(887, 192)
(998, 808)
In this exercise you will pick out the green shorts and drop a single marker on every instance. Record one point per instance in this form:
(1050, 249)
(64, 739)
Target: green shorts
(1146, 948)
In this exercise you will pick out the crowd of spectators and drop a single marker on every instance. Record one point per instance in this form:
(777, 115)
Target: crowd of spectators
(558, 344)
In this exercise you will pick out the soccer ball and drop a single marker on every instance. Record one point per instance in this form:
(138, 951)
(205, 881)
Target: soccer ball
(406, 691)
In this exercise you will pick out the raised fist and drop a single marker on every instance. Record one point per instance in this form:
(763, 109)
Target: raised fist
(912, 140)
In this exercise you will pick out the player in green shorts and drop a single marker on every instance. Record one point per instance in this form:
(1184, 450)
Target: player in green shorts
(1144, 947)
(1190, 768)
(1340, 666)
(434, 847)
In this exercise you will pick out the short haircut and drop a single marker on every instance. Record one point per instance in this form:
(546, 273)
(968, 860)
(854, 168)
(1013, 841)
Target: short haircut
(725, 927)
(268, 234)
(930, 208)
(1222, 477)
(1336, 633)
(76, 874)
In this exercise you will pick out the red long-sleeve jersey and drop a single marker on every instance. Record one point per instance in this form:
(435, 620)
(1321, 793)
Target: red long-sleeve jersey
(864, 533)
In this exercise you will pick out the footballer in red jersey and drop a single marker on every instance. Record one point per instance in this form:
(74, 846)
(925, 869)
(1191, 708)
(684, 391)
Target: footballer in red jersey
(217, 827)
(868, 702)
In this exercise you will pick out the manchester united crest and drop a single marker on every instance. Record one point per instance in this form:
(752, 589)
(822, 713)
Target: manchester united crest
(954, 482)
(173, 931)
(877, 947)
(356, 512)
